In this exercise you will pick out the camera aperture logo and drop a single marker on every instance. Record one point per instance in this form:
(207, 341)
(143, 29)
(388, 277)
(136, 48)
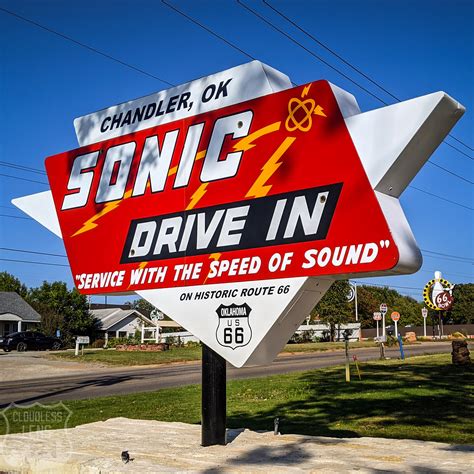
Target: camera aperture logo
(32, 421)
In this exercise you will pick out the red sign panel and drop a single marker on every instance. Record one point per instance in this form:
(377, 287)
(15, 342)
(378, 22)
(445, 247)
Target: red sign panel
(269, 188)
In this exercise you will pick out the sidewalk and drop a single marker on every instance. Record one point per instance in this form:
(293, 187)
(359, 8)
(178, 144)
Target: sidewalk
(174, 447)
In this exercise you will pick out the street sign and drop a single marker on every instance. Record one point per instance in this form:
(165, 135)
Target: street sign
(377, 316)
(383, 308)
(395, 316)
(156, 315)
(231, 204)
(82, 339)
(351, 293)
(424, 313)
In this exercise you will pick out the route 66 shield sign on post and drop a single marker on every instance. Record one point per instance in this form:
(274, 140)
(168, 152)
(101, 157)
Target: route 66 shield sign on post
(237, 193)
(234, 328)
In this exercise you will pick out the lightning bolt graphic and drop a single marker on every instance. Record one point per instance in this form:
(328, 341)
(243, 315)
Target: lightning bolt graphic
(246, 143)
(306, 90)
(212, 256)
(110, 206)
(259, 188)
(141, 265)
(196, 197)
(318, 110)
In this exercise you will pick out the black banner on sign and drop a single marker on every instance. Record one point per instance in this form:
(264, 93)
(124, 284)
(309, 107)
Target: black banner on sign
(298, 216)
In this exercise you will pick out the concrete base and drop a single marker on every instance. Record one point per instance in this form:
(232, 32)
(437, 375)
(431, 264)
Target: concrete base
(175, 447)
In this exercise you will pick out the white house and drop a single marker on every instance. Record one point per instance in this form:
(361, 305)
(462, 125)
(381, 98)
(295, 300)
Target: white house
(117, 322)
(16, 314)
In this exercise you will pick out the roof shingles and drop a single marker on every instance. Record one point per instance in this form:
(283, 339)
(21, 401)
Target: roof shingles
(11, 302)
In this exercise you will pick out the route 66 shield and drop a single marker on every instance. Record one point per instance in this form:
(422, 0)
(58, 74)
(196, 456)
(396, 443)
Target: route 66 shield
(233, 329)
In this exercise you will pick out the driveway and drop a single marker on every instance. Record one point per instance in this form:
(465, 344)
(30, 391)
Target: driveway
(35, 364)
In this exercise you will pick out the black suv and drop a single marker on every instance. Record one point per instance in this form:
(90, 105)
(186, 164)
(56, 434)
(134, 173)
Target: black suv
(28, 340)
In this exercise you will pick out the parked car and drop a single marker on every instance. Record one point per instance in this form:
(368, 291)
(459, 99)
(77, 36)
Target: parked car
(29, 340)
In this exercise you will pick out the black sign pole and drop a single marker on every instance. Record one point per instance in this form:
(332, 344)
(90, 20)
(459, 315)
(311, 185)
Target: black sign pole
(213, 404)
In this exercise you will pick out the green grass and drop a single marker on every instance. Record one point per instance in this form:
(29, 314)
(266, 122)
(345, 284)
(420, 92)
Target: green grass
(424, 398)
(181, 354)
(325, 346)
(113, 357)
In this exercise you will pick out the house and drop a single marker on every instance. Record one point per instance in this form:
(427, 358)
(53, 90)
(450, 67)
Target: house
(16, 314)
(120, 322)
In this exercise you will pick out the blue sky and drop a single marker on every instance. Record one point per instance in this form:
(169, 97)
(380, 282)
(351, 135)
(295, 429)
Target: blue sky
(410, 47)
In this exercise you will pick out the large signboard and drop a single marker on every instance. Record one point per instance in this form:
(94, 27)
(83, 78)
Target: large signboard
(248, 192)
(233, 202)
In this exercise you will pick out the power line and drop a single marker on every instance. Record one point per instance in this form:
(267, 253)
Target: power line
(462, 143)
(450, 172)
(439, 197)
(213, 33)
(8, 249)
(319, 58)
(447, 255)
(448, 259)
(449, 273)
(142, 71)
(248, 55)
(24, 179)
(35, 263)
(457, 149)
(21, 167)
(16, 217)
(377, 84)
(228, 43)
(269, 23)
(83, 45)
(390, 286)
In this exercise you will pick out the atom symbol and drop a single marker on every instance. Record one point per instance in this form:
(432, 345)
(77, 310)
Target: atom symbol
(306, 122)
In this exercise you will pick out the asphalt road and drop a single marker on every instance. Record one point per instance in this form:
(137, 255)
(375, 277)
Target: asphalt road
(123, 380)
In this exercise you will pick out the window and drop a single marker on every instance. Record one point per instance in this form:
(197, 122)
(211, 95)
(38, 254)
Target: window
(122, 334)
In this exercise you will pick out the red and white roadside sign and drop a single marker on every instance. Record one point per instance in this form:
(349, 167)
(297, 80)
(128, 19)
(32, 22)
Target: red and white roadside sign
(377, 316)
(383, 308)
(232, 202)
(395, 316)
(227, 196)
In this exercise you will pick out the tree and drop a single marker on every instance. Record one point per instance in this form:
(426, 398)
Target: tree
(9, 282)
(370, 298)
(144, 307)
(72, 308)
(334, 309)
(50, 320)
(463, 307)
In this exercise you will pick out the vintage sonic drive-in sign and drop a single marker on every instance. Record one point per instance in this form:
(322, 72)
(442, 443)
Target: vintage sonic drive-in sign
(233, 212)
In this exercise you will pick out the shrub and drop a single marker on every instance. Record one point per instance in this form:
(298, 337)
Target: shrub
(115, 341)
(391, 341)
(98, 343)
(193, 344)
(303, 337)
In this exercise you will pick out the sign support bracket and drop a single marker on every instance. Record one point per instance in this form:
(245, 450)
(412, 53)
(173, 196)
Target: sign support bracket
(213, 403)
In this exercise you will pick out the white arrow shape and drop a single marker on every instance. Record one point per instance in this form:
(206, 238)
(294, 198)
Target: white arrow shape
(393, 143)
